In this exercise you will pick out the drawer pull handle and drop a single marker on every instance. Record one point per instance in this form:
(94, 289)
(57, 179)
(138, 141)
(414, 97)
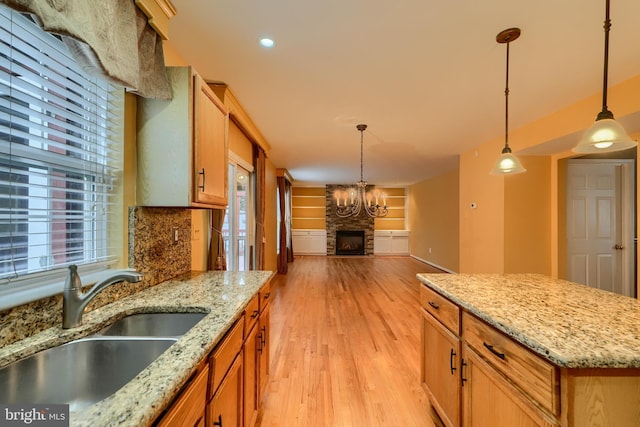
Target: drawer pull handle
(201, 187)
(451, 356)
(434, 305)
(493, 350)
(462, 378)
(266, 296)
(254, 314)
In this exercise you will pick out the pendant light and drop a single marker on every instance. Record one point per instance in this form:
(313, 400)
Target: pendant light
(508, 163)
(606, 134)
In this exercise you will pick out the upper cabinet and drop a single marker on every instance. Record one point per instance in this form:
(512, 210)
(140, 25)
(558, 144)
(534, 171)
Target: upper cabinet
(182, 146)
(159, 12)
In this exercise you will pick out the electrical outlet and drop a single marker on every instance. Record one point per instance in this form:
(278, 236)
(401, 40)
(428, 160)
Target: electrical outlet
(174, 234)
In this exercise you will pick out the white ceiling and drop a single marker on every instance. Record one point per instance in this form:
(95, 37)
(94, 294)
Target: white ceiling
(426, 76)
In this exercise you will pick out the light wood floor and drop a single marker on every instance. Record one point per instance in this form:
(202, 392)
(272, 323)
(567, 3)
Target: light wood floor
(345, 338)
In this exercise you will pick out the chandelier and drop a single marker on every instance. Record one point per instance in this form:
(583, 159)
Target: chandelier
(350, 201)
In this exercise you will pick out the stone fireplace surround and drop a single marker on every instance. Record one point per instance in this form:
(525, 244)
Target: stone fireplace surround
(361, 222)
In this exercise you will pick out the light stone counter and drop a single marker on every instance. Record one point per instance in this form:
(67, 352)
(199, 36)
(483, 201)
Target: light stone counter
(571, 325)
(222, 294)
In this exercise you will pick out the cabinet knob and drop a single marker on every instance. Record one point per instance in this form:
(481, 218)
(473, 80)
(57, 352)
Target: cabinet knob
(254, 314)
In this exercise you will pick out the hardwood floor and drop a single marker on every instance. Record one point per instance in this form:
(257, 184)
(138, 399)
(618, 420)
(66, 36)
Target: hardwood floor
(345, 337)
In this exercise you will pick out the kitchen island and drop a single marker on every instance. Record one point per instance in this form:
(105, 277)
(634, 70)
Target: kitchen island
(540, 350)
(223, 295)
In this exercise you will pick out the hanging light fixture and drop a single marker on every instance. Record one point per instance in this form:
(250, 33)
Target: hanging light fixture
(508, 163)
(350, 201)
(606, 134)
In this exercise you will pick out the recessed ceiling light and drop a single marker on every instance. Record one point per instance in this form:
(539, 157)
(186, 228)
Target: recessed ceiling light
(266, 42)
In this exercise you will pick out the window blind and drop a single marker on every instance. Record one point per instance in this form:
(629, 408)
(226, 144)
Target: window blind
(60, 155)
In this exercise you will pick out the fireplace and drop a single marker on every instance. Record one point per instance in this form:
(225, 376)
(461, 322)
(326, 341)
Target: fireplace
(349, 242)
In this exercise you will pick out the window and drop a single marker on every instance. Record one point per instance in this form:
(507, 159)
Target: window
(60, 156)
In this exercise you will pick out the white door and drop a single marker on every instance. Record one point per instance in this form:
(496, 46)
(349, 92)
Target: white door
(600, 237)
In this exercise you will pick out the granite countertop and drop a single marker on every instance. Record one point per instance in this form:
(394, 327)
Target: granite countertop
(571, 325)
(223, 295)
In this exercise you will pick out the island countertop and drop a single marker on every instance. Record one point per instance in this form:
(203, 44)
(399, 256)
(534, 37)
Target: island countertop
(224, 295)
(571, 325)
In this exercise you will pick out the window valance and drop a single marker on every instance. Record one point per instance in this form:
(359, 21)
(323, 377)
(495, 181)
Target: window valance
(107, 38)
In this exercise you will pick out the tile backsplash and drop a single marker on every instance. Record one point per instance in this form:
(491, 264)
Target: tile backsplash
(152, 251)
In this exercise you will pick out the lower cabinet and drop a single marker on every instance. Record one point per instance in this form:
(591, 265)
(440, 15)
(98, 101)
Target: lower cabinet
(225, 408)
(489, 400)
(188, 410)
(440, 369)
(475, 375)
(256, 353)
(227, 388)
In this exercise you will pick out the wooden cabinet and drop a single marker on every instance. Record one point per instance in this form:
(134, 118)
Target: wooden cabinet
(440, 369)
(226, 379)
(476, 375)
(182, 145)
(225, 408)
(188, 410)
(490, 400)
(440, 356)
(256, 353)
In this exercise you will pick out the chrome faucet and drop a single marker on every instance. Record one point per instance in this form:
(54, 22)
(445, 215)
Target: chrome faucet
(74, 301)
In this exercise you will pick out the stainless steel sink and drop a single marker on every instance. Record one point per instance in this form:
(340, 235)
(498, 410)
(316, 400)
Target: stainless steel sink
(153, 324)
(79, 373)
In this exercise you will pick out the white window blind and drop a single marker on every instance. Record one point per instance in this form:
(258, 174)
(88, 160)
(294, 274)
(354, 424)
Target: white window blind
(60, 156)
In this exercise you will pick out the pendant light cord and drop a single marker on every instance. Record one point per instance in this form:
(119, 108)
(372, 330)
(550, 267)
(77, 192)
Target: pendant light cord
(605, 113)
(506, 149)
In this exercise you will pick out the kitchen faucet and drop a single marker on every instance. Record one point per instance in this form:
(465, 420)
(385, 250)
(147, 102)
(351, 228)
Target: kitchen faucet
(74, 301)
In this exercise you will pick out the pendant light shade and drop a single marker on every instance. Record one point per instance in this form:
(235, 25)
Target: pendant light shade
(605, 135)
(507, 163)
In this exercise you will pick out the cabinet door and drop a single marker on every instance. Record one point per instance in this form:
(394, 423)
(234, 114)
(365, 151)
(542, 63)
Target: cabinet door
(263, 350)
(225, 409)
(491, 401)
(211, 155)
(251, 397)
(440, 369)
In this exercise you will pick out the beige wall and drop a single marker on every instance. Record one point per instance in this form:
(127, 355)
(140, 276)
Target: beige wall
(527, 218)
(433, 220)
(484, 246)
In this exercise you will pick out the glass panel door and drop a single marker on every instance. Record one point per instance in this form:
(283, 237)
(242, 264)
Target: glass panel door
(237, 231)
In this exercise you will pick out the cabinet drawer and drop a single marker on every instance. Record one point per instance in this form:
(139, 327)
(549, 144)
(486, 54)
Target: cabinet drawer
(251, 314)
(189, 407)
(265, 294)
(224, 353)
(441, 308)
(535, 376)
